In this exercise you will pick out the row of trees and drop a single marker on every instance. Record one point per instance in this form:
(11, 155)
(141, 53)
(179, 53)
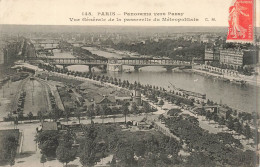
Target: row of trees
(221, 148)
(145, 148)
(246, 70)
(56, 144)
(99, 141)
(229, 121)
(153, 93)
(175, 97)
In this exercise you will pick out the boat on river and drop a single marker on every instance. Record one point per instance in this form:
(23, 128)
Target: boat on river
(193, 94)
(189, 93)
(223, 79)
(239, 82)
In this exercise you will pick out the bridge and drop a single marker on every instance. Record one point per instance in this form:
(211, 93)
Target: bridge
(137, 63)
(52, 43)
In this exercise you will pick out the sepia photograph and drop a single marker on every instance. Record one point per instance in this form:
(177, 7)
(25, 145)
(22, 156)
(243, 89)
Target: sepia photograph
(120, 83)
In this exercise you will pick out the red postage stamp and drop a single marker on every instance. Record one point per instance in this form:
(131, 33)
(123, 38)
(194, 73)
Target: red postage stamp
(241, 21)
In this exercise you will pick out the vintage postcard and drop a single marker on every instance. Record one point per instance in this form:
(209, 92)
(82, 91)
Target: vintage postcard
(129, 83)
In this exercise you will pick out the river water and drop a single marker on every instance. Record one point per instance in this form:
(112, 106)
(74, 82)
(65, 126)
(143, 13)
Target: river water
(236, 96)
(241, 98)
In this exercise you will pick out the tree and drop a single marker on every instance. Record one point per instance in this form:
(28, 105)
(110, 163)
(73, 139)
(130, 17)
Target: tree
(221, 122)
(155, 99)
(126, 155)
(228, 114)
(90, 111)
(134, 108)
(172, 147)
(88, 152)
(125, 110)
(77, 113)
(97, 110)
(12, 159)
(40, 115)
(202, 112)
(199, 159)
(30, 116)
(247, 132)
(235, 113)
(67, 114)
(9, 149)
(48, 142)
(208, 115)
(65, 153)
(146, 108)
(20, 116)
(103, 110)
(113, 162)
(55, 114)
(161, 117)
(161, 102)
(215, 117)
(230, 123)
(238, 127)
(139, 148)
(43, 159)
(208, 102)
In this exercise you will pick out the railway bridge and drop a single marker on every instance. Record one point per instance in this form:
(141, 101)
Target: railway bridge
(169, 64)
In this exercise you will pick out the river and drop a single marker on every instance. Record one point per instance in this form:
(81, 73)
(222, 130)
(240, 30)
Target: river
(239, 97)
(236, 96)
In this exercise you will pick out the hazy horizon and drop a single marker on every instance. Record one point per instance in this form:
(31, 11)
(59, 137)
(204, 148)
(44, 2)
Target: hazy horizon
(112, 28)
(108, 28)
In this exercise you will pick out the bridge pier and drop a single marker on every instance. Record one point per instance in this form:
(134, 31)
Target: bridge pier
(137, 68)
(64, 67)
(169, 68)
(104, 68)
(114, 67)
(90, 68)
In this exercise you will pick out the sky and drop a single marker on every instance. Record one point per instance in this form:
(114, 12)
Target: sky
(59, 12)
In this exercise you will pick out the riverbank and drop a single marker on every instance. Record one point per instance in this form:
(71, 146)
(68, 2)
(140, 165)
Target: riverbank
(236, 79)
(162, 109)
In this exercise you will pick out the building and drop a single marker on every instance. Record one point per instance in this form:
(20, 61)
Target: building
(212, 54)
(100, 100)
(237, 57)
(231, 57)
(105, 100)
(250, 57)
(123, 99)
(50, 126)
(144, 125)
(10, 52)
(77, 97)
(137, 96)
